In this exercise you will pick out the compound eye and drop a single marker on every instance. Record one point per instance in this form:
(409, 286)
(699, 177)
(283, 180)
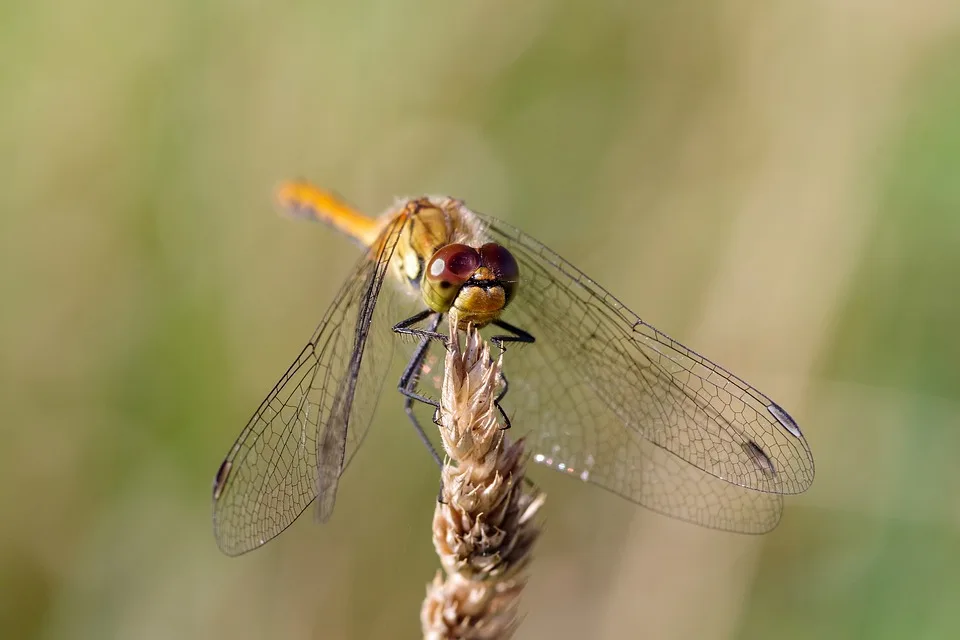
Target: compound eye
(499, 260)
(453, 264)
(504, 266)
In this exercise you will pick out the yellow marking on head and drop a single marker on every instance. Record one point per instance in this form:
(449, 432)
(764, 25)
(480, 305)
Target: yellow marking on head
(484, 273)
(479, 305)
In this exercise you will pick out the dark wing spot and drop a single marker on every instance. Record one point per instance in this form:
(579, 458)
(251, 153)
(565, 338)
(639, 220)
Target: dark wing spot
(761, 459)
(221, 478)
(784, 419)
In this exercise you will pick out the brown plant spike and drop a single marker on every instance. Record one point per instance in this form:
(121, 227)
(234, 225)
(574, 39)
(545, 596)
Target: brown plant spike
(484, 526)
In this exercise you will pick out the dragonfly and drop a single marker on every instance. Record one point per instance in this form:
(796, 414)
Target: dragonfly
(605, 397)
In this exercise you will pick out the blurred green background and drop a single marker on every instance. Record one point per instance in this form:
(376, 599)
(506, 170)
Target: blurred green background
(776, 184)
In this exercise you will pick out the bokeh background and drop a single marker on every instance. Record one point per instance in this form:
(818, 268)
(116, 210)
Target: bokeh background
(777, 184)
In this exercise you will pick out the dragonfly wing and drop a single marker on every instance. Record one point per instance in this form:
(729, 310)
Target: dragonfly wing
(610, 397)
(308, 428)
(669, 485)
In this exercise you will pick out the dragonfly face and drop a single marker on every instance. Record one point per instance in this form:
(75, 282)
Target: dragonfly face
(478, 283)
(601, 395)
(441, 252)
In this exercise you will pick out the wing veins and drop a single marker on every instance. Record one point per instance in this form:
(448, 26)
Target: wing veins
(791, 453)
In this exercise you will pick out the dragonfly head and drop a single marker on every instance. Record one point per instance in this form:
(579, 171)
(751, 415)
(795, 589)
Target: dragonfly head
(478, 283)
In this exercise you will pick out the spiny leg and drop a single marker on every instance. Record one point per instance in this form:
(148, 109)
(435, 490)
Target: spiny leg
(411, 375)
(516, 335)
(403, 327)
(520, 336)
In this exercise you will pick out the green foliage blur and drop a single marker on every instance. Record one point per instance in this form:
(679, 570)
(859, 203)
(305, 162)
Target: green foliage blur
(775, 184)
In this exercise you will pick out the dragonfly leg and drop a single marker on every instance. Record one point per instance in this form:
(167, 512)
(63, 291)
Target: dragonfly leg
(516, 335)
(496, 401)
(411, 375)
(440, 493)
(404, 327)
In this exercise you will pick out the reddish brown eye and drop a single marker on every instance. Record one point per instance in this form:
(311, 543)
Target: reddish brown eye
(453, 264)
(499, 260)
(504, 267)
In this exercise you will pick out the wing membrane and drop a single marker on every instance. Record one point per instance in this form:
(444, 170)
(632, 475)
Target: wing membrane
(610, 398)
(310, 425)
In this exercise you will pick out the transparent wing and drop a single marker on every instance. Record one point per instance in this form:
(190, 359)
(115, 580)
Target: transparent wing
(613, 401)
(308, 428)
